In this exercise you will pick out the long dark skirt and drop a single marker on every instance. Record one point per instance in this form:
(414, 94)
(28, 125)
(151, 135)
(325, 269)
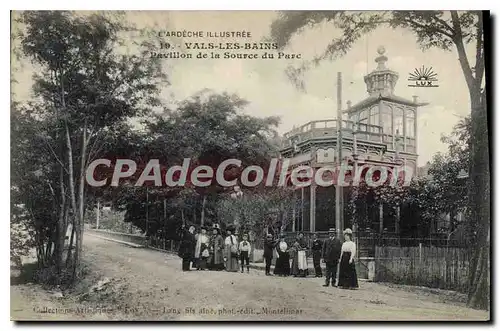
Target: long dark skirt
(282, 267)
(201, 263)
(215, 266)
(347, 272)
(185, 264)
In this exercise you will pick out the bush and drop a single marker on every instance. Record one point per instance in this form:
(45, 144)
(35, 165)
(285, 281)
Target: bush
(21, 241)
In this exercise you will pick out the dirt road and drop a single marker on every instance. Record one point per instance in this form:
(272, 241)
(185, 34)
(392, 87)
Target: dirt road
(141, 284)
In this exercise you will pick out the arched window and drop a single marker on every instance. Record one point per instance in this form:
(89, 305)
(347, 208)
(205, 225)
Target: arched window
(363, 116)
(374, 116)
(386, 119)
(398, 120)
(410, 123)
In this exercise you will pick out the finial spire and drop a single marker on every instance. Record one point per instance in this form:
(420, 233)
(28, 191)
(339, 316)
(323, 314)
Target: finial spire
(381, 81)
(382, 59)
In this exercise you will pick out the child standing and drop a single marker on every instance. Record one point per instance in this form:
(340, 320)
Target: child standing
(245, 253)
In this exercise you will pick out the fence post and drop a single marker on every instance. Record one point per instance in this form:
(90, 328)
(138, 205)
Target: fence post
(420, 253)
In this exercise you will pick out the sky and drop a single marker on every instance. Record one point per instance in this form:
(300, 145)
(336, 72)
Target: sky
(266, 86)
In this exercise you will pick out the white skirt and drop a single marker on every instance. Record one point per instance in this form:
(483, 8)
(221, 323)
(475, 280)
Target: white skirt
(302, 260)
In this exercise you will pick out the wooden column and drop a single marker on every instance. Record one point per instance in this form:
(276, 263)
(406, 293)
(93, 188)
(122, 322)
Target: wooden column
(415, 129)
(380, 111)
(404, 128)
(393, 129)
(381, 218)
(301, 209)
(312, 207)
(398, 219)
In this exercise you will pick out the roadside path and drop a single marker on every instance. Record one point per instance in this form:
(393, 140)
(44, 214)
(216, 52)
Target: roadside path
(149, 285)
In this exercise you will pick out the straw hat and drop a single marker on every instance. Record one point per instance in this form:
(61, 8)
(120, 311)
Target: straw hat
(348, 231)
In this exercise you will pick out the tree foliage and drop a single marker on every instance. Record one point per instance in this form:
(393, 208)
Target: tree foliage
(85, 87)
(208, 129)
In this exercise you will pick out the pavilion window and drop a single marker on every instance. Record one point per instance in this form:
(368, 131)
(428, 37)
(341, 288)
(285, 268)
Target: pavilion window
(386, 119)
(363, 117)
(398, 120)
(410, 124)
(374, 117)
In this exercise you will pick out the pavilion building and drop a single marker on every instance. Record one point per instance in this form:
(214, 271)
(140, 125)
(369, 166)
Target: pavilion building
(379, 130)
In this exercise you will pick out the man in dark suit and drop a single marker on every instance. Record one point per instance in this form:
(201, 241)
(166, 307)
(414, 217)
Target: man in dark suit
(187, 247)
(331, 255)
(317, 248)
(269, 244)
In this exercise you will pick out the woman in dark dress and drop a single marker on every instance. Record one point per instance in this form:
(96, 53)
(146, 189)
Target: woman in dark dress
(348, 278)
(216, 251)
(186, 249)
(294, 254)
(282, 267)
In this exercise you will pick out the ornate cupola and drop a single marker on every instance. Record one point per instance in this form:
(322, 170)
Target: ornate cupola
(381, 81)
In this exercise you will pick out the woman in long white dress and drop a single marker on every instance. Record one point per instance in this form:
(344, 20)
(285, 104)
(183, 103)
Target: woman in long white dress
(231, 252)
(348, 278)
(299, 258)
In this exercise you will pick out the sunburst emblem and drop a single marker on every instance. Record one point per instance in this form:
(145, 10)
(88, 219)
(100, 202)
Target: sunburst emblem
(423, 74)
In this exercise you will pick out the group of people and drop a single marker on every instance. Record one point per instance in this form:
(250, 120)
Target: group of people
(214, 252)
(332, 252)
(204, 251)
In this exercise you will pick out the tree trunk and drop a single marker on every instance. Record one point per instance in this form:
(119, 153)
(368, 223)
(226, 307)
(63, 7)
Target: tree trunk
(75, 222)
(81, 198)
(479, 172)
(61, 229)
(479, 203)
(70, 245)
(203, 210)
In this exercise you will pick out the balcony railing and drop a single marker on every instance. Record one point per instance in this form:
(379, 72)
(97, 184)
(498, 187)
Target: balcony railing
(328, 128)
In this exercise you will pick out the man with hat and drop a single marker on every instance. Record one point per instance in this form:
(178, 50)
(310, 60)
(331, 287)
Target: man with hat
(269, 245)
(187, 247)
(317, 247)
(332, 248)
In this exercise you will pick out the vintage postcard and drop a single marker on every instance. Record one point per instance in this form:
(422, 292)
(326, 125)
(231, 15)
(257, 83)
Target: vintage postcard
(250, 166)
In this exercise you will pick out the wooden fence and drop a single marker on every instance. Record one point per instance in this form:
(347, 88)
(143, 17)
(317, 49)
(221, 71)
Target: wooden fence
(127, 237)
(163, 244)
(437, 267)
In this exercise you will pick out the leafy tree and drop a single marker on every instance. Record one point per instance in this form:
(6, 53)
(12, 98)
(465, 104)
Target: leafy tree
(258, 211)
(207, 128)
(444, 30)
(21, 235)
(86, 86)
(442, 191)
(34, 192)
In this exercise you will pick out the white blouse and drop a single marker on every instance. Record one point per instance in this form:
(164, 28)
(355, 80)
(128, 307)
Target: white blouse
(203, 238)
(349, 246)
(228, 240)
(245, 246)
